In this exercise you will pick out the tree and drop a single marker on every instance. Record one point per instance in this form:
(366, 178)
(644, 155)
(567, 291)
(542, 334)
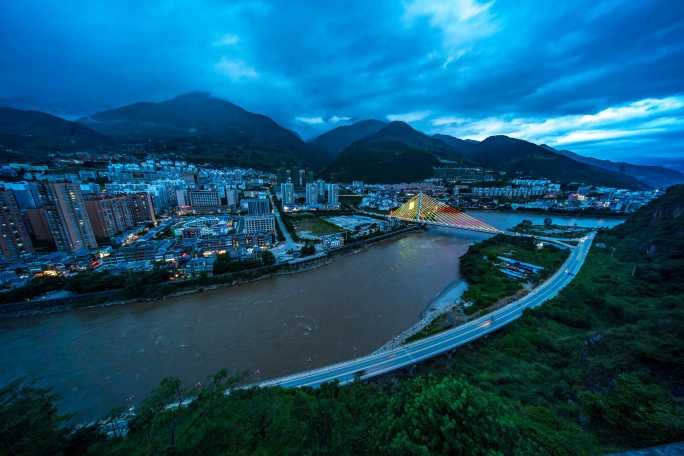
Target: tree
(308, 249)
(29, 422)
(222, 264)
(548, 221)
(159, 421)
(268, 258)
(448, 415)
(642, 411)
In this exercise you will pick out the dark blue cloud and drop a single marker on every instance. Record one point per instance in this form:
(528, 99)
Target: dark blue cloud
(466, 67)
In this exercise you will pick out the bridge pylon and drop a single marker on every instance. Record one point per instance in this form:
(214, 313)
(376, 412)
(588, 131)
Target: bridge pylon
(425, 209)
(420, 206)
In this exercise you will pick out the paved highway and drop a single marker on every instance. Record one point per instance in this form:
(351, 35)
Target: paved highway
(406, 355)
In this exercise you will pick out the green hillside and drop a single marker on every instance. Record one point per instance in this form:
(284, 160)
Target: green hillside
(199, 127)
(339, 138)
(396, 153)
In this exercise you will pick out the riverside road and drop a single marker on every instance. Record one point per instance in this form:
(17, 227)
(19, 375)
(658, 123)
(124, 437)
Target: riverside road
(409, 354)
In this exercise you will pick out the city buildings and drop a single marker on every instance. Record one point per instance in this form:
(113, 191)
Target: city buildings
(26, 193)
(67, 217)
(109, 216)
(301, 178)
(173, 213)
(333, 195)
(14, 238)
(258, 206)
(232, 198)
(37, 224)
(311, 194)
(204, 200)
(255, 224)
(287, 193)
(318, 195)
(141, 208)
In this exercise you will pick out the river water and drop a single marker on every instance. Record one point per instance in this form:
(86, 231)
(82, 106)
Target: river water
(97, 359)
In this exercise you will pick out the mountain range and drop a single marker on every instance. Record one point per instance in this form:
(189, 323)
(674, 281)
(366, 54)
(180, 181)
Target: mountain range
(391, 155)
(218, 131)
(518, 157)
(654, 176)
(38, 130)
(199, 127)
(338, 139)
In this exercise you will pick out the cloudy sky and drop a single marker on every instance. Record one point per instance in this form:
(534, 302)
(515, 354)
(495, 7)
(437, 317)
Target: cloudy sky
(603, 78)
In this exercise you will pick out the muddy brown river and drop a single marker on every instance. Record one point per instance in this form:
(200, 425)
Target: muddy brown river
(97, 359)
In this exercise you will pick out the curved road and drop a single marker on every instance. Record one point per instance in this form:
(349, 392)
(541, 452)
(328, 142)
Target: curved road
(406, 355)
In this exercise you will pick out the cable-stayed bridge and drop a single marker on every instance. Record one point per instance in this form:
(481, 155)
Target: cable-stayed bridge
(425, 209)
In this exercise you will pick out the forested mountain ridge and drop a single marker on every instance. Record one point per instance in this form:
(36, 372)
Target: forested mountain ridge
(39, 131)
(336, 140)
(653, 176)
(199, 127)
(202, 127)
(523, 158)
(396, 153)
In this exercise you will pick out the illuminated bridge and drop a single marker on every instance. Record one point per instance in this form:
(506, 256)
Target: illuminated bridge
(425, 209)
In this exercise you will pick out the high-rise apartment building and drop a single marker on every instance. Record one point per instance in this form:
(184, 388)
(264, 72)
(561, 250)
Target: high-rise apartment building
(38, 224)
(258, 206)
(311, 194)
(322, 186)
(301, 178)
(232, 198)
(141, 207)
(287, 193)
(109, 216)
(67, 217)
(114, 214)
(333, 195)
(14, 238)
(204, 199)
(26, 194)
(259, 224)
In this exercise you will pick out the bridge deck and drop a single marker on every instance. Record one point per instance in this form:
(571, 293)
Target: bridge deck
(425, 209)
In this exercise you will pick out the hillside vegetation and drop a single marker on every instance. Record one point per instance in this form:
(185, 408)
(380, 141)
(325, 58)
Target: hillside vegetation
(395, 153)
(487, 284)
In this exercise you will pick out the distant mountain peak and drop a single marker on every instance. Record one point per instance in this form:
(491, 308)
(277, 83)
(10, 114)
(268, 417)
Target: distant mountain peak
(337, 139)
(225, 132)
(397, 126)
(522, 158)
(653, 176)
(503, 139)
(395, 153)
(368, 122)
(35, 130)
(195, 94)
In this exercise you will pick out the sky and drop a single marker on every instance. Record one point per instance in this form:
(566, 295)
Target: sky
(601, 78)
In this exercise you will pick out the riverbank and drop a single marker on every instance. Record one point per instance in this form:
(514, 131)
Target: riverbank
(175, 289)
(104, 357)
(449, 298)
(470, 302)
(532, 211)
